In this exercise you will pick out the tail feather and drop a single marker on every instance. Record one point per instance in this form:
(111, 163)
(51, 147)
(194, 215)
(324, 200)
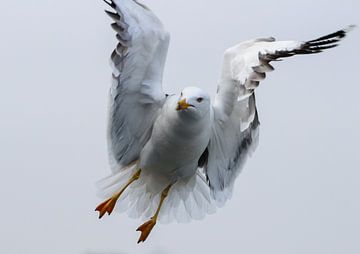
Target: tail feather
(188, 199)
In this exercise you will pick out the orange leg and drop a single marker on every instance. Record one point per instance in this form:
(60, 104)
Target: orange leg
(148, 226)
(108, 205)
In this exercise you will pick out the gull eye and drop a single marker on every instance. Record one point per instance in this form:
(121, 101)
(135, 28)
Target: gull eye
(200, 99)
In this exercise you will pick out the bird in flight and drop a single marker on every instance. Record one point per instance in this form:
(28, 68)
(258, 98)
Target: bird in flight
(176, 157)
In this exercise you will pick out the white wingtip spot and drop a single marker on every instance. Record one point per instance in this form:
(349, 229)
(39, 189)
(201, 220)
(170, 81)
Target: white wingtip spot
(350, 28)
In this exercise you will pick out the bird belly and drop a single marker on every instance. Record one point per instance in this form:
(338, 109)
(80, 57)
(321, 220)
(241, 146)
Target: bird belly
(172, 151)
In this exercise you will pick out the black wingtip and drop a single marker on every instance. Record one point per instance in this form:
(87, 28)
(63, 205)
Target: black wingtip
(113, 15)
(327, 41)
(333, 37)
(110, 3)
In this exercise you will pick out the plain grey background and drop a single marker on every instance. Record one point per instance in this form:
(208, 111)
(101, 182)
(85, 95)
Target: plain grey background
(299, 193)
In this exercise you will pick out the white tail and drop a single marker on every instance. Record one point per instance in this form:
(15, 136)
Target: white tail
(188, 199)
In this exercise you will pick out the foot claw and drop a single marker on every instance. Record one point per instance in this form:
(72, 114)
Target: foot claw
(146, 229)
(106, 207)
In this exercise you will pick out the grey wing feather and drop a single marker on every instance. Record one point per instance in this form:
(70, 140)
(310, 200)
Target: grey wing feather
(236, 124)
(136, 94)
(231, 144)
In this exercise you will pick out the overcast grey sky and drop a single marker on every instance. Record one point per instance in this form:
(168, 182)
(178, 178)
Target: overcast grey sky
(299, 193)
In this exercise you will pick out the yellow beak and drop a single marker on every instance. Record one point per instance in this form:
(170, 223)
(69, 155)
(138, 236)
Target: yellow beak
(182, 105)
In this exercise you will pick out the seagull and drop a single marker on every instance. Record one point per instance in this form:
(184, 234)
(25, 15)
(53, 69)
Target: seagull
(176, 157)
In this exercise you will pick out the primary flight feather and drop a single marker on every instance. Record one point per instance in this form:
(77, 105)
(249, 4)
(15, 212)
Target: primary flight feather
(176, 157)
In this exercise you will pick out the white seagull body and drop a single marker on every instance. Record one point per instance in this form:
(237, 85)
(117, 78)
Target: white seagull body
(181, 153)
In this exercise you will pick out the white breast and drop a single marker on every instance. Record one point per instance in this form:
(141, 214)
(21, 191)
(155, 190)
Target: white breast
(176, 143)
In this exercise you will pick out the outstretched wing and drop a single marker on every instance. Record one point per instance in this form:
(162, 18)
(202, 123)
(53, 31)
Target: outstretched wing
(236, 123)
(136, 93)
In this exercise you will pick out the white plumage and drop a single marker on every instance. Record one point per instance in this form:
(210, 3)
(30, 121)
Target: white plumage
(182, 141)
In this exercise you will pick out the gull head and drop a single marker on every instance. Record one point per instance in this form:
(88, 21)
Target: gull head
(193, 102)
